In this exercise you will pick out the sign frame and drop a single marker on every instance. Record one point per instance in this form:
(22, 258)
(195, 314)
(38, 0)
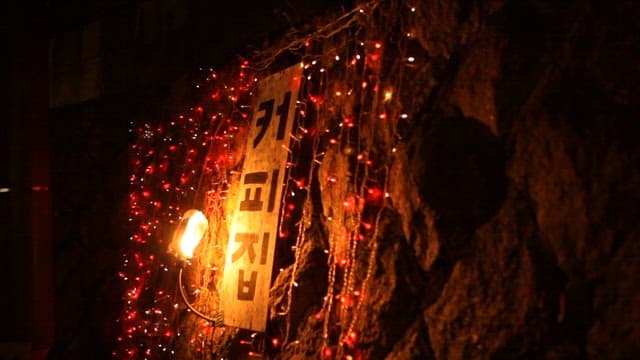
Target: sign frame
(254, 227)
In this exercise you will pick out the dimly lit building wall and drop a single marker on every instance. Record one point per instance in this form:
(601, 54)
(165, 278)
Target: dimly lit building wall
(27, 289)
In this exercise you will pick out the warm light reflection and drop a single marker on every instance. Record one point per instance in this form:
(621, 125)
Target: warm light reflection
(387, 95)
(192, 227)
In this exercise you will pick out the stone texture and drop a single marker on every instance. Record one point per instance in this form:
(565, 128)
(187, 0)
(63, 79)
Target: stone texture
(515, 234)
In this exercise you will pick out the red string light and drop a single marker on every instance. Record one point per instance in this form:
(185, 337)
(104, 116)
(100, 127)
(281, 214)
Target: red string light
(167, 173)
(169, 162)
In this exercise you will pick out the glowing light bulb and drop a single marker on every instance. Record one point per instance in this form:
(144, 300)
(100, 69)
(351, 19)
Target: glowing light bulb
(192, 228)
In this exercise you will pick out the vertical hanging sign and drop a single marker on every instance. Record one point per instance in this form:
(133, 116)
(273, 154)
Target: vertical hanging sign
(254, 227)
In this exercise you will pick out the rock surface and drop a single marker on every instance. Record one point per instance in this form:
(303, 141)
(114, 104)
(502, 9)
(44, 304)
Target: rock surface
(511, 231)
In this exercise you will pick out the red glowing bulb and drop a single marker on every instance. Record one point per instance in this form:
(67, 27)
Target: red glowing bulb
(327, 352)
(316, 99)
(351, 338)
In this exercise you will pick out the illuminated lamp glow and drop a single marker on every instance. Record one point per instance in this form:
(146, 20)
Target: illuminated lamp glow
(190, 231)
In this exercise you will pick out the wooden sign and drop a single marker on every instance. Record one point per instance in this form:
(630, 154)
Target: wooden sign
(254, 229)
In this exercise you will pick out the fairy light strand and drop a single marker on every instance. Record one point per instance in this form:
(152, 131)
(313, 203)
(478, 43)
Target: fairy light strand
(192, 159)
(173, 161)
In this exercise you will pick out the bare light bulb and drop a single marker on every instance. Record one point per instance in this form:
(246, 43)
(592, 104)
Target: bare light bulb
(192, 228)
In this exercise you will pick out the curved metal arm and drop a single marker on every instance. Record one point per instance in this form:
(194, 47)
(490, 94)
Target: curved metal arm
(216, 319)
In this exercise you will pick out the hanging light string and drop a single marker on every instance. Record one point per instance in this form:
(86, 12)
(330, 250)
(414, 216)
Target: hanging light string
(379, 113)
(299, 44)
(354, 84)
(186, 159)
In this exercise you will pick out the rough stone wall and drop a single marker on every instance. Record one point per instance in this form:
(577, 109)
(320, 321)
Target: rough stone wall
(512, 229)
